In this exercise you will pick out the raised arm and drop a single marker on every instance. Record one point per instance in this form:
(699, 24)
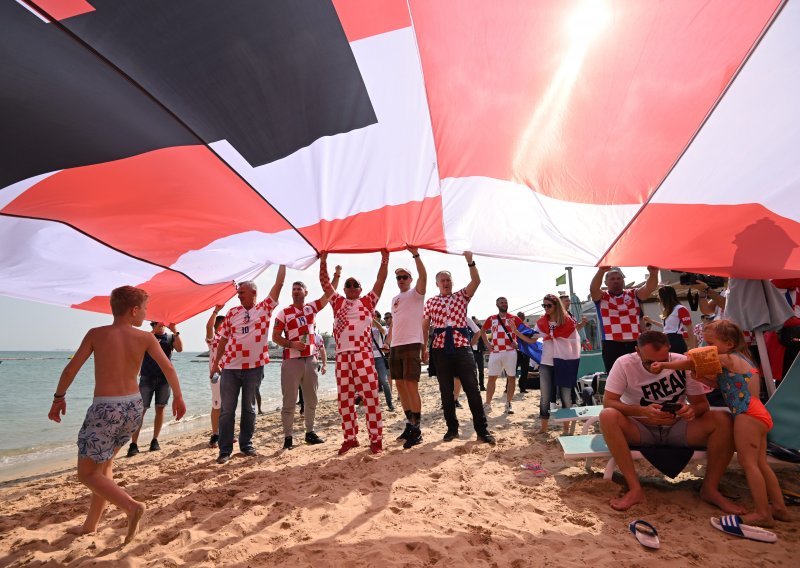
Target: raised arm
(422, 274)
(155, 351)
(597, 283)
(383, 271)
(324, 280)
(177, 342)
(59, 405)
(474, 277)
(279, 278)
(210, 323)
(650, 284)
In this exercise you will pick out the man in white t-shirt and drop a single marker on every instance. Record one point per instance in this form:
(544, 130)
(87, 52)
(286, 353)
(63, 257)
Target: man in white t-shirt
(355, 365)
(242, 352)
(407, 347)
(644, 408)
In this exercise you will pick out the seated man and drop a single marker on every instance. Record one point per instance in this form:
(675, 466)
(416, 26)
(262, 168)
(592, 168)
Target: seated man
(633, 416)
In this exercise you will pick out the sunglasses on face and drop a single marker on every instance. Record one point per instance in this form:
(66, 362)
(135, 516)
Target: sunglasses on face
(352, 285)
(402, 276)
(545, 306)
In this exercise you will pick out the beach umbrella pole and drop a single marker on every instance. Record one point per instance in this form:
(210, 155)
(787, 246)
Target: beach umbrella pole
(765, 366)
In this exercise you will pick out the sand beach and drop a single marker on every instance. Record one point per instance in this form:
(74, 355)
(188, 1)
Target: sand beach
(439, 504)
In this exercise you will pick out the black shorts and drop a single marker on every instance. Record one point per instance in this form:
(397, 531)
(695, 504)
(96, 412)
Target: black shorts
(405, 362)
(613, 350)
(150, 386)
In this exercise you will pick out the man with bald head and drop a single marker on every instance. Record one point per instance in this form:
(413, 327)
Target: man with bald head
(618, 310)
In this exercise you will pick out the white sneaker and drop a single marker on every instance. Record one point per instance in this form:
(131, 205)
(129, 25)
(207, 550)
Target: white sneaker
(553, 407)
(487, 408)
(509, 410)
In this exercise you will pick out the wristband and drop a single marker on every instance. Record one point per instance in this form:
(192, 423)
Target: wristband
(177, 333)
(471, 264)
(56, 395)
(415, 256)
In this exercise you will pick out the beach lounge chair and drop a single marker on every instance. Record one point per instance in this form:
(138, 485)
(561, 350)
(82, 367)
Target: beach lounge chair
(588, 415)
(594, 446)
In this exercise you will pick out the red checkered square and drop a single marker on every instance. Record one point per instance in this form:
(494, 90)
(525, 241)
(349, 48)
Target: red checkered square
(443, 311)
(502, 341)
(298, 324)
(620, 315)
(355, 373)
(353, 321)
(247, 332)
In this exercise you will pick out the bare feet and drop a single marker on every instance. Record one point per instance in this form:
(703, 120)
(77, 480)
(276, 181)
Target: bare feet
(716, 498)
(631, 498)
(134, 517)
(758, 520)
(782, 514)
(79, 530)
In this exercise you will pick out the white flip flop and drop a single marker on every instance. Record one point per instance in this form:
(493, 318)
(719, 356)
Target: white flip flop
(732, 524)
(645, 533)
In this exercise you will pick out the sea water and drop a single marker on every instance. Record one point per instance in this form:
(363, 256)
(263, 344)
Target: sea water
(28, 380)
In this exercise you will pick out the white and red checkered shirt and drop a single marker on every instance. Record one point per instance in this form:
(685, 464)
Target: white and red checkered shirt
(298, 325)
(501, 341)
(620, 315)
(446, 311)
(247, 332)
(352, 322)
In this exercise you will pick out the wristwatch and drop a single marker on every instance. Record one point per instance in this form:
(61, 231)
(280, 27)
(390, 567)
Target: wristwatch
(177, 333)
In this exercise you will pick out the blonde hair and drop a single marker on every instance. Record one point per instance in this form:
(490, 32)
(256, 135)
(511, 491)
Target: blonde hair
(559, 313)
(728, 331)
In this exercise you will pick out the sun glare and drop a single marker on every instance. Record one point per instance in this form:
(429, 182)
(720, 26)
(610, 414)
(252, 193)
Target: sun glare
(541, 141)
(588, 20)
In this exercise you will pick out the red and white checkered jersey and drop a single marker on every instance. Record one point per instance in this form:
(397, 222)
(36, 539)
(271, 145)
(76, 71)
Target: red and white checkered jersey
(620, 315)
(675, 321)
(501, 341)
(352, 322)
(446, 311)
(247, 332)
(212, 343)
(297, 324)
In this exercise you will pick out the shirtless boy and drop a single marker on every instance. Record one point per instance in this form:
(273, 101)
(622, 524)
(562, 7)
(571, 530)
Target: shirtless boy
(116, 412)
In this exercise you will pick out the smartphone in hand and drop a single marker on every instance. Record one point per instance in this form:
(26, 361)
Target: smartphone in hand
(671, 407)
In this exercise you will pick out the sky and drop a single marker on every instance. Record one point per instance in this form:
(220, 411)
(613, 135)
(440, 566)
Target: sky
(32, 326)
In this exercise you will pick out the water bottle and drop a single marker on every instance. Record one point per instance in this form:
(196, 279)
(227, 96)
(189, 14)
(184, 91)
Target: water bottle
(215, 378)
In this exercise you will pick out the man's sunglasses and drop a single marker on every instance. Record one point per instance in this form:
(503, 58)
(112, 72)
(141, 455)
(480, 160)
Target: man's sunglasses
(545, 306)
(402, 276)
(352, 285)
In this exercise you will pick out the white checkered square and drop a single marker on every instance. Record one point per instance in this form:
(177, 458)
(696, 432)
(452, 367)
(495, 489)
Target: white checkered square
(502, 341)
(298, 324)
(247, 332)
(620, 315)
(448, 310)
(353, 321)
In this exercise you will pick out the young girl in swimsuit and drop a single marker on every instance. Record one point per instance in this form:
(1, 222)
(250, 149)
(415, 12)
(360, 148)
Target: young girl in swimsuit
(740, 384)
